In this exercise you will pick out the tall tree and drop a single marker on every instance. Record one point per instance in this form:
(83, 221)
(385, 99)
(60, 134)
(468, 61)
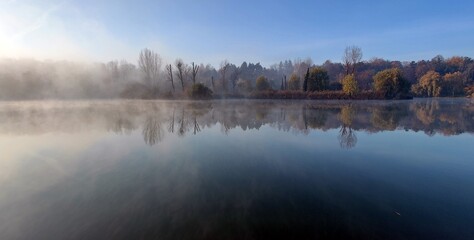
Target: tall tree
(213, 84)
(149, 63)
(126, 70)
(223, 71)
(169, 70)
(305, 82)
(181, 71)
(429, 85)
(112, 69)
(301, 65)
(439, 64)
(453, 84)
(234, 76)
(194, 72)
(352, 56)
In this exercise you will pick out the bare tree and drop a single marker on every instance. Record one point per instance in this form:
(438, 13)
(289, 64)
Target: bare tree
(152, 132)
(149, 63)
(347, 137)
(300, 66)
(182, 125)
(181, 71)
(352, 56)
(169, 70)
(126, 70)
(197, 128)
(223, 70)
(194, 72)
(171, 122)
(112, 68)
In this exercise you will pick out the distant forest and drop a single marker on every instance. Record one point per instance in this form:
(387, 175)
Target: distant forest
(352, 78)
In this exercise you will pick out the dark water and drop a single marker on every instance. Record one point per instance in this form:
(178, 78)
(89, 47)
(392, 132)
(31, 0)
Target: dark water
(237, 170)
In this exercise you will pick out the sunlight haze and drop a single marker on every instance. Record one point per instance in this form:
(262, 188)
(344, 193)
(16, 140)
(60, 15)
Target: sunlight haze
(210, 31)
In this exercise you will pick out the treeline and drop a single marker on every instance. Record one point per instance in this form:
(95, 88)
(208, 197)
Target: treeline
(26, 79)
(299, 79)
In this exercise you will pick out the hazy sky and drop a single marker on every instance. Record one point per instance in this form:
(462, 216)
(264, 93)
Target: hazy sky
(256, 31)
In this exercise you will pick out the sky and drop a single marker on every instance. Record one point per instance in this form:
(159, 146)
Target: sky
(209, 31)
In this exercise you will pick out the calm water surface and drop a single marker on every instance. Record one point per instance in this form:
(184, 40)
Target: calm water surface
(237, 170)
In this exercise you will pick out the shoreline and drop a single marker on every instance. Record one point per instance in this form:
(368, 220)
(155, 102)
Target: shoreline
(232, 99)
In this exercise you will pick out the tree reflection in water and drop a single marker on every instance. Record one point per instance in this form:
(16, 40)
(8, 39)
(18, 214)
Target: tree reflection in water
(231, 194)
(347, 137)
(152, 132)
(429, 116)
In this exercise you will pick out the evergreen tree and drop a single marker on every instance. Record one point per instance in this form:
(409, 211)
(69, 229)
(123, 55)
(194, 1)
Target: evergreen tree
(318, 79)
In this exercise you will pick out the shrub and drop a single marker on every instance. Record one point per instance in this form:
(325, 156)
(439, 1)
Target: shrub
(199, 91)
(319, 95)
(139, 91)
(335, 86)
(244, 86)
(318, 79)
(391, 83)
(469, 91)
(349, 85)
(294, 83)
(328, 95)
(262, 84)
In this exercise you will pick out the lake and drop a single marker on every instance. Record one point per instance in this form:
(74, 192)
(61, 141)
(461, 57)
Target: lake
(237, 169)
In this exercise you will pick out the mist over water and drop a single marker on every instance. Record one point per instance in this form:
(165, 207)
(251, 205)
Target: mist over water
(236, 120)
(123, 117)
(240, 169)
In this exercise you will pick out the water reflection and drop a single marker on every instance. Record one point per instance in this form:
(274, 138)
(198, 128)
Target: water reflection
(281, 175)
(152, 132)
(446, 117)
(347, 136)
